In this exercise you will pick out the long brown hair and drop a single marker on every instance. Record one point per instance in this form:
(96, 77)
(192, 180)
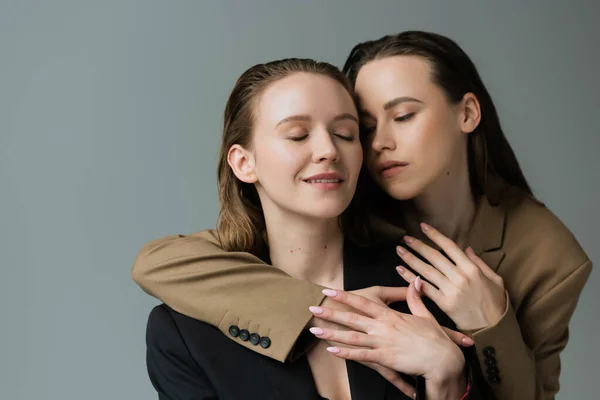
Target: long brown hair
(489, 153)
(241, 224)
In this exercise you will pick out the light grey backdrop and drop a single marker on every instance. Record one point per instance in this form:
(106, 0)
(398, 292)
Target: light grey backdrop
(109, 128)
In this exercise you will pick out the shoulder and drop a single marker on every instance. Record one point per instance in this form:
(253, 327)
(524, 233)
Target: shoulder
(531, 226)
(540, 252)
(161, 326)
(164, 323)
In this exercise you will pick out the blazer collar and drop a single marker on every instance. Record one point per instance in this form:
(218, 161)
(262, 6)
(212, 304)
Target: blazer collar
(485, 237)
(487, 233)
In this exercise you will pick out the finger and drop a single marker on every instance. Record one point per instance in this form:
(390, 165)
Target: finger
(392, 294)
(359, 303)
(426, 288)
(394, 378)
(414, 301)
(437, 260)
(405, 273)
(459, 338)
(360, 355)
(429, 272)
(450, 248)
(485, 269)
(351, 338)
(417, 307)
(345, 318)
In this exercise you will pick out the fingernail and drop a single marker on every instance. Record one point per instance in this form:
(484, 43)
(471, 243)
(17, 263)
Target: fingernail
(400, 270)
(467, 341)
(329, 292)
(400, 249)
(425, 227)
(333, 350)
(470, 250)
(418, 283)
(414, 395)
(315, 310)
(409, 239)
(318, 331)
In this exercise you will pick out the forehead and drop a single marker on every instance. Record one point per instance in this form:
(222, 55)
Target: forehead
(302, 93)
(391, 77)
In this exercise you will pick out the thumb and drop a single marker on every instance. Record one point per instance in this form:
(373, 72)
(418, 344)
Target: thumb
(414, 301)
(392, 294)
(458, 338)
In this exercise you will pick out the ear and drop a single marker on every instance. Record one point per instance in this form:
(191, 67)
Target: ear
(470, 113)
(242, 163)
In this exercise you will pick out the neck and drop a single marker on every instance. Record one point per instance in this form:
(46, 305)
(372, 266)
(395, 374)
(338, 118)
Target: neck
(448, 205)
(308, 249)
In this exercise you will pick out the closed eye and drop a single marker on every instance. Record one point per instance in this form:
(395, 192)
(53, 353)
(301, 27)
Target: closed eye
(298, 138)
(348, 138)
(405, 117)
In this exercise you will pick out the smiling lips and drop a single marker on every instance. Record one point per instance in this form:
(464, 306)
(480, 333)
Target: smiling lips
(325, 181)
(387, 169)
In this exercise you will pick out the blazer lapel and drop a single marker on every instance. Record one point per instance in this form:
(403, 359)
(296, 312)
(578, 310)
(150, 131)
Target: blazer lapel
(365, 383)
(487, 233)
(290, 381)
(364, 267)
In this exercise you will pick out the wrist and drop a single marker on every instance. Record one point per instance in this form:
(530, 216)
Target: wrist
(449, 386)
(449, 379)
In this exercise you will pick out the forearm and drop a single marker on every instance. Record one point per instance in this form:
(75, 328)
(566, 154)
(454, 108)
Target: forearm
(520, 356)
(194, 276)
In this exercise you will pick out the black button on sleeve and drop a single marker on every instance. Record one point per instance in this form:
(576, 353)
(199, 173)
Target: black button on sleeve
(234, 331)
(244, 335)
(254, 338)
(492, 370)
(489, 351)
(265, 342)
(490, 362)
(495, 379)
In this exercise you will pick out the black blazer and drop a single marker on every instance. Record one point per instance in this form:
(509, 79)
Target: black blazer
(191, 360)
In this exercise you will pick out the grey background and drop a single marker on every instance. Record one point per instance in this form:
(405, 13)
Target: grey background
(110, 118)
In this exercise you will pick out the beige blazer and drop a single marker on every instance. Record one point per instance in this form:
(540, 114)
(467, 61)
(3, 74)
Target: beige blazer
(543, 267)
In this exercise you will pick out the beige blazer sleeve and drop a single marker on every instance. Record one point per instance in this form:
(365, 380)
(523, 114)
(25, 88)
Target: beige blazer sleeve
(531, 371)
(194, 276)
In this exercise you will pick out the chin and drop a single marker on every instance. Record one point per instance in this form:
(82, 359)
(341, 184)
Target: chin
(327, 211)
(402, 191)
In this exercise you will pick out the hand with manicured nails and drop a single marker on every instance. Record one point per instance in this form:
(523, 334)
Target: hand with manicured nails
(382, 295)
(412, 344)
(462, 285)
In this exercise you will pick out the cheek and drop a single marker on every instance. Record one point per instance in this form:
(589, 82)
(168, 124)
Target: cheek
(429, 140)
(276, 161)
(356, 157)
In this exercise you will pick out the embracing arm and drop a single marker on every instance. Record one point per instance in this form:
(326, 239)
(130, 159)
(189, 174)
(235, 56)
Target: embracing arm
(531, 372)
(196, 277)
(519, 351)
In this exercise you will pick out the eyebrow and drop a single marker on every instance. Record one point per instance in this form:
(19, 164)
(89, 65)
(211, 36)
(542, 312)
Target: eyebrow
(398, 100)
(390, 104)
(344, 116)
(303, 118)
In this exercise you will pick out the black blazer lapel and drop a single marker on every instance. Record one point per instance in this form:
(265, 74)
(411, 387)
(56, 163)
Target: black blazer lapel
(365, 383)
(365, 267)
(290, 381)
